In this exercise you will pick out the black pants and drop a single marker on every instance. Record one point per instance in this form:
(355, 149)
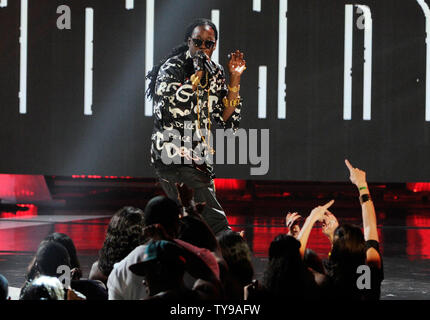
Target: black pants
(204, 191)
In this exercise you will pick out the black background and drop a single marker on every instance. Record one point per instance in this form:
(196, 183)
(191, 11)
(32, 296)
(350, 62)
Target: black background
(56, 138)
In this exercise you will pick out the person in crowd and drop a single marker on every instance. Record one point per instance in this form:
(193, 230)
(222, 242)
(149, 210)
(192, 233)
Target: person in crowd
(238, 257)
(50, 255)
(164, 211)
(68, 243)
(285, 276)
(49, 288)
(188, 87)
(124, 234)
(44, 288)
(351, 248)
(4, 288)
(163, 267)
(161, 219)
(92, 289)
(161, 222)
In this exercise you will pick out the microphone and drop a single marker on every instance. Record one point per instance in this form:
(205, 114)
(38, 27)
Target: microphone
(209, 66)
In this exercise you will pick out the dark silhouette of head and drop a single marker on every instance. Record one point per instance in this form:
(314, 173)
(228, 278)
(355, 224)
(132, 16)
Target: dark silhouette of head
(286, 275)
(49, 256)
(164, 211)
(313, 261)
(348, 252)
(4, 288)
(198, 233)
(67, 242)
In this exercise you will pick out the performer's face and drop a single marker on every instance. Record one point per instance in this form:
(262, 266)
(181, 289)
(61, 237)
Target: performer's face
(205, 38)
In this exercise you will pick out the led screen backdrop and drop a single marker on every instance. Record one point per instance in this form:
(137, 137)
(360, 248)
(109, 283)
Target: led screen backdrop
(329, 79)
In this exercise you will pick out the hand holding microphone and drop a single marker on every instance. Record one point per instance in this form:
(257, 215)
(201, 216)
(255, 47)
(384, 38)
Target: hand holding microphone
(198, 61)
(201, 62)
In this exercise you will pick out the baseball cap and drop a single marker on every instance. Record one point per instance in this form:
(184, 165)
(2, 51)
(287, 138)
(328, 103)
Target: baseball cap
(170, 252)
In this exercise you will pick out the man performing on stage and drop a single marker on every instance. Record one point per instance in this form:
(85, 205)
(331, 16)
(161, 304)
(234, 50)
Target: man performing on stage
(190, 91)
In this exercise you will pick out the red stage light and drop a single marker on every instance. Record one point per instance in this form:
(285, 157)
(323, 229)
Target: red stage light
(230, 184)
(418, 237)
(92, 176)
(418, 186)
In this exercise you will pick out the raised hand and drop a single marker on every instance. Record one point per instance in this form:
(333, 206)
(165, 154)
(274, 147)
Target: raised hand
(236, 65)
(250, 290)
(317, 214)
(291, 220)
(357, 176)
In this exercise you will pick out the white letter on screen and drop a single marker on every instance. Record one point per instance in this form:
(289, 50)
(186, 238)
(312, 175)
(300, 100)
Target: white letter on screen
(256, 5)
(89, 37)
(149, 50)
(23, 40)
(262, 92)
(129, 4)
(282, 58)
(426, 11)
(215, 20)
(367, 72)
(347, 77)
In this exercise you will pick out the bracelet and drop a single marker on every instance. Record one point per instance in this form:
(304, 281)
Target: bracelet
(362, 188)
(231, 103)
(364, 198)
(233, 89)
(195, 80)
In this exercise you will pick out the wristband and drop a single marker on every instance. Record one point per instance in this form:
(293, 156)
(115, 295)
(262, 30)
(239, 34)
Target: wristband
(231, 103)
(362, 188)
(234, 89)
(364, 198)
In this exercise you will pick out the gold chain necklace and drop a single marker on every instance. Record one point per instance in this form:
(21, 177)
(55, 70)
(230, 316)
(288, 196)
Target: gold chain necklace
(211, 150)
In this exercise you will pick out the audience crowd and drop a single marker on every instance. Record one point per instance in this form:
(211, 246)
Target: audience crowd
(168, 252)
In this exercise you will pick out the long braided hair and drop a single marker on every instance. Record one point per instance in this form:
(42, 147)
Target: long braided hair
(183, 47)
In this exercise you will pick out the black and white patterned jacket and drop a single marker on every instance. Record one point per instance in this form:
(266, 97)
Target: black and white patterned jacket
(176, 115)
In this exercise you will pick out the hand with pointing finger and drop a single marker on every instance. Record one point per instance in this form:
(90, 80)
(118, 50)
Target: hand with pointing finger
(317, 214)
(357, 176)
